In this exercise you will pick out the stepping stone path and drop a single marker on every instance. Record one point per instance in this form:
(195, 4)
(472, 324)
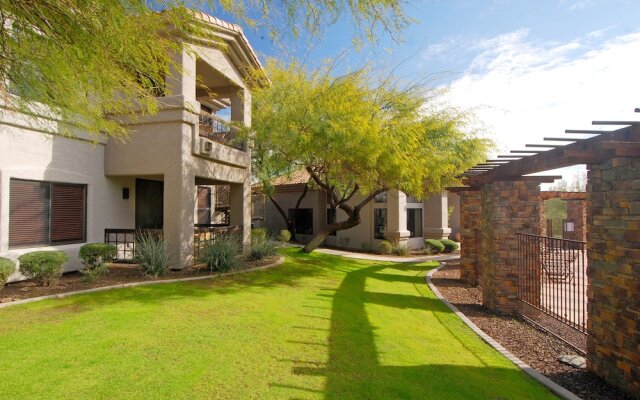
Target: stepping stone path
(573, 360)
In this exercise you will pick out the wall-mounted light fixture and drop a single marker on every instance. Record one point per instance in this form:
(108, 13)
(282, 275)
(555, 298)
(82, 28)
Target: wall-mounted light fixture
(125, 193)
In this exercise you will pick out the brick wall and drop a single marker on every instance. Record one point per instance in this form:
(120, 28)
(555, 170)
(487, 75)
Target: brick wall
(507, 208)
(470, 217)
(613, 202)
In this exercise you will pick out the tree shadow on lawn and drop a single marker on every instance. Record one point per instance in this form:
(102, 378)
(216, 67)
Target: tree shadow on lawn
(354, 369)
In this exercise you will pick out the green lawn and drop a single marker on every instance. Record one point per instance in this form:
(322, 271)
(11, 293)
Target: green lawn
(318, 326)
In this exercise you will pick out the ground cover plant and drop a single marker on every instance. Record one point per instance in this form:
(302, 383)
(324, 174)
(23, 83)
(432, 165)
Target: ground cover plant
(315, 327)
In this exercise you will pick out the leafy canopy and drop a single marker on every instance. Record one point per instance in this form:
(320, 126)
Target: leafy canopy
(358, 134)
(91, 64)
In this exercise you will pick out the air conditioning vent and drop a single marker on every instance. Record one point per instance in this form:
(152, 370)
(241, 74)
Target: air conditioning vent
(206, 146)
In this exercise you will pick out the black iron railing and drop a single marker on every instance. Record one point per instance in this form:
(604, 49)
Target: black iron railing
(125, 241)
(204, 235)
(220, 131)
(553, 278)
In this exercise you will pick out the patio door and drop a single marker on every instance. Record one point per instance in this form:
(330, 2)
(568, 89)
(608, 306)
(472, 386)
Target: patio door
(149, 204)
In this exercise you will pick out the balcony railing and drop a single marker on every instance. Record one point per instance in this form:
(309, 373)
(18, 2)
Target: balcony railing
(219, 130)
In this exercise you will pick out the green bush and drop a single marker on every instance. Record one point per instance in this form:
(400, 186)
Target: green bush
(262, 248)
(285, 236)
(7, 267)
(401, 250)
(43, 267)
(151, 255)
(258, 233)
(224, 254)
(449, 245)
(385, 247)
(96, 258)
(433, 246)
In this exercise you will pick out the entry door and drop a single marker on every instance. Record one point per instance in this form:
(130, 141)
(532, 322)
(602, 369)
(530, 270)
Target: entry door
(149, 204)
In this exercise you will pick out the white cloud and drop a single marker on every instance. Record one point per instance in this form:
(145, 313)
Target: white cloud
(523, 90)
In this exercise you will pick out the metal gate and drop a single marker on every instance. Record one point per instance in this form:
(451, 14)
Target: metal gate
(553, 283)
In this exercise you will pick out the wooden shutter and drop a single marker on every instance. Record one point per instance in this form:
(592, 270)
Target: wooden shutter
(67, 213)
(28, 213)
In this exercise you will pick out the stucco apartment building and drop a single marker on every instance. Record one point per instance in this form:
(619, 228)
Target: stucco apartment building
(58, 192)
(393, 216)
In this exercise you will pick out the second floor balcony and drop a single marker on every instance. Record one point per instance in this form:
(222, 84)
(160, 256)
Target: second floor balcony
(218, 130)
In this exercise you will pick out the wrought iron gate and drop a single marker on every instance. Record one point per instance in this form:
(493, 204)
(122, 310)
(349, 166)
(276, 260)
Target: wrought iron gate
(553, 282)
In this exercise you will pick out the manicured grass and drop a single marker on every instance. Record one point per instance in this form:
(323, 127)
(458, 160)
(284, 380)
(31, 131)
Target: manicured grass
(318, 326)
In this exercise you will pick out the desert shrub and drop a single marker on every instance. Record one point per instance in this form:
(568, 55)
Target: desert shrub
(151, 255)
(224, 254)
(258, 233)
(385, 247)
(449, 245)
(7, 267)
(262, 247)
(401, 250)
(96, 258)
(433, 246)
(285, 236)
(43, 267)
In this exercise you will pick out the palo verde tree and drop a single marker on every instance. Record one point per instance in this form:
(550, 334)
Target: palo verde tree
(87, 63)
(357, 137)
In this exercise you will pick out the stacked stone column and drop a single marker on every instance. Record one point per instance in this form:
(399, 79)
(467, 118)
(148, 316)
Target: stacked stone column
(507, 208)
(470, 220)
(613, 230)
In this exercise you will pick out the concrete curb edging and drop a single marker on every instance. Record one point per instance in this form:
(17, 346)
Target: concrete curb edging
(551, 385)
(134, 284)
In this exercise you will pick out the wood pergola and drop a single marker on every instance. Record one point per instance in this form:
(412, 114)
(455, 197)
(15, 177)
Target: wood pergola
(601, 145)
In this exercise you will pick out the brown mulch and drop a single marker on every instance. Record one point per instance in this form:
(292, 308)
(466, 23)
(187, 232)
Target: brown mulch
(533, 346)
(118, 274)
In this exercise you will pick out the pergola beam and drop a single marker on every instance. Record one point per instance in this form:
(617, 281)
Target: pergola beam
(560, 139)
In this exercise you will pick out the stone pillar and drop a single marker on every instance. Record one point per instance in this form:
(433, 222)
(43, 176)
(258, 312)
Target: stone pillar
(613, 291)
(507, 208)
(577, 214)
(470, 225)
(183, 82)
(396, 231)
(436, 216)
(180, 197)
(240, 209)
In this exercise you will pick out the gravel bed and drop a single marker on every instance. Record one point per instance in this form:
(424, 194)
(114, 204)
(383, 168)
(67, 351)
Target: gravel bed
(533, 346)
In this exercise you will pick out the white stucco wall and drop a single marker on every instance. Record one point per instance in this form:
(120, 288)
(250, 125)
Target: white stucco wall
(29, 154)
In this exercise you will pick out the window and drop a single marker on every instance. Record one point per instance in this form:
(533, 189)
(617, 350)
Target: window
(379, 222)
(204, 205)
(331, 218)
(46, 213)
(380, 198)
(414, 222)
(303, 223)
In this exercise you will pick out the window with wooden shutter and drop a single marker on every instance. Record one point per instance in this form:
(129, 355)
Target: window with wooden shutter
(67, 213)
(43, 213)
(28, 213)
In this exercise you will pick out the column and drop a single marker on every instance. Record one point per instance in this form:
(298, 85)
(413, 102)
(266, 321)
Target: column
(507, 208)
(470, 225)
(436, 216)
(180, 197)
(182, 81)
(240, 209)
(396, 231)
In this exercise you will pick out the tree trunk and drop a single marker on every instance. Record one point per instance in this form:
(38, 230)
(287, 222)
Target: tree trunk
(324, 232)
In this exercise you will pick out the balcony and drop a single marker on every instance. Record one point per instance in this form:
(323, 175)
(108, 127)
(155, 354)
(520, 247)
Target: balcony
(220, 131)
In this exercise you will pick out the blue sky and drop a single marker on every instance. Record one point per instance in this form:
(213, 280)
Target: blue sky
(527, 69)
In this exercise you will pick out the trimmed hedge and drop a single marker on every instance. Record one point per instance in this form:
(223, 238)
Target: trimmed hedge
(96, 258)
(449, 245)
(43, 267)
(433, 246)
(285, 236)
(385, 247)
(7, 268)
